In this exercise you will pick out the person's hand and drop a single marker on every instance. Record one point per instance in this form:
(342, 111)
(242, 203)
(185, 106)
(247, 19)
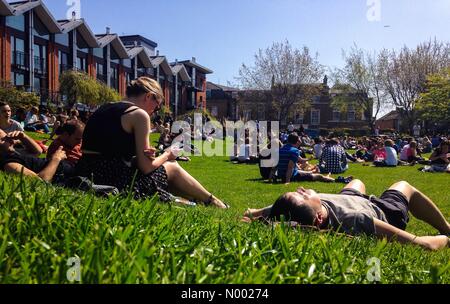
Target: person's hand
(171, 156)
(59, 155)
(150, 153)
(16, 135)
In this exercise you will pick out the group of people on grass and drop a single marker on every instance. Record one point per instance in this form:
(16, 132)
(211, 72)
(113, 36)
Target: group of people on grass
(113, 149)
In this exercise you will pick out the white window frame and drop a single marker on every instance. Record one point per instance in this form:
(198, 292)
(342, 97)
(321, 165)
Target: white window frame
(315, 123)
(354, 116)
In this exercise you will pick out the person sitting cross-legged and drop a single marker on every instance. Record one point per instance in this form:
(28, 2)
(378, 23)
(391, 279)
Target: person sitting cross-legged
(333, 159)
(288, 169)
(353, 212)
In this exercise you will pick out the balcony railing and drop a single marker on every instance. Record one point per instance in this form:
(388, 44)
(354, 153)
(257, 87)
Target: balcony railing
(39, 65)
(102, 78)
(20, 60)
(64, 67)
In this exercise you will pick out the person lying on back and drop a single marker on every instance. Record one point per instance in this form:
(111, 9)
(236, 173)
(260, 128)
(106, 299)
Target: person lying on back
(353, 212)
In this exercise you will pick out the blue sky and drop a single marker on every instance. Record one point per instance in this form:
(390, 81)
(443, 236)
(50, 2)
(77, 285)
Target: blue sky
(222, 34)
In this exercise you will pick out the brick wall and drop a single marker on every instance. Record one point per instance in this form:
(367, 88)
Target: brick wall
(5, 57)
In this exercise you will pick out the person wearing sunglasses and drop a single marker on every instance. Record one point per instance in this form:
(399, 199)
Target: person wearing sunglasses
(117, 152)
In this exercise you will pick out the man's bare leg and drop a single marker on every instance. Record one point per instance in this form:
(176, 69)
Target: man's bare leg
(423, 207)
(357, 185)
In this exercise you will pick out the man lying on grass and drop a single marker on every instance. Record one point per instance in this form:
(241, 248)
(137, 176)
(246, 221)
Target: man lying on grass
(353, 212)
(11, 161)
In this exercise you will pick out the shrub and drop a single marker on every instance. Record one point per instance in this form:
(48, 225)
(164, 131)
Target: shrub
(17, 97)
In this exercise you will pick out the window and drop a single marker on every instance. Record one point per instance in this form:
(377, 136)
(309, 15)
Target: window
(316, 99)
(351, 115)
(81, 64)
(39, 29)
(18, 79)
(37, 84)
(16, 22)
(315, 117)
(63, 61)
(98, 52)
(336, 115)
(114, 77)
(299, 117)
(18, 55)
(40, 56)
(126, 63)
(62, 39)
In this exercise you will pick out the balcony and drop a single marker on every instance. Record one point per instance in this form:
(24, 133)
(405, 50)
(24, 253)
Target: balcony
(102, 78)
(39, 65)
(20, 60)
(64, 67)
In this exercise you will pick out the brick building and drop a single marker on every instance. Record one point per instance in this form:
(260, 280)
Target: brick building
(36, 48)
(257, 105)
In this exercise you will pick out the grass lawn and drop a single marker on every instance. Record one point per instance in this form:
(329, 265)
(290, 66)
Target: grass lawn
(124, 241)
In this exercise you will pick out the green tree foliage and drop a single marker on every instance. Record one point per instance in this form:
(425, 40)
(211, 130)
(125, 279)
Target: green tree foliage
(434, 104)
(80, 87)
(16, 97)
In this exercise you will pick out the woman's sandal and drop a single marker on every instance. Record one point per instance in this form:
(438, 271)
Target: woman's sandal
(214, 201)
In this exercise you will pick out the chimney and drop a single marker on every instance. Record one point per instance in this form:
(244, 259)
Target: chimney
(176, 61)
(108, 30)
(157, 53)
(194, 59)
(74, 15)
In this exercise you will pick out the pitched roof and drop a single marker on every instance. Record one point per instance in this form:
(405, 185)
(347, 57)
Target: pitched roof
(5, 8)
(199, 67)
(390, 116)
(214, 86)
(141, 53)
(19, 8)
(132, 38)
(162, 61)
(114, 40)
(180, 69)
(83, 29)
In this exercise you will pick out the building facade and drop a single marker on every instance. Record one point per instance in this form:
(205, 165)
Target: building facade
(35, 49)
(247, 105)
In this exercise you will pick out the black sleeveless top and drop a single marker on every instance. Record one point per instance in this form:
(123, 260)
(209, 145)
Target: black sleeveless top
(104, 133)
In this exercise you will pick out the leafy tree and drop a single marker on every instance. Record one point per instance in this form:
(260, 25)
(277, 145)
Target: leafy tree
(288, 73)
(406, 72)
(16, 97)
(434, 104)
(80, 87)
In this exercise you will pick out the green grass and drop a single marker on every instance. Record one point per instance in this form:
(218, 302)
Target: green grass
(120, 240)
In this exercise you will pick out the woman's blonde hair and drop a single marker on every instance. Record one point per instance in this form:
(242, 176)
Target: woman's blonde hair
(144, 85)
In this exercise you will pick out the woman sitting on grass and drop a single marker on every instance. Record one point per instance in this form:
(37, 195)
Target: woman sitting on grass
(117, 151)
(440, 159)
(353, 212)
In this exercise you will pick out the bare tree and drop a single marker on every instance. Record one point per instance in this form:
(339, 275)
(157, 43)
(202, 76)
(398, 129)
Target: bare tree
(286, 72)
(405, 74)
(361, 80)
